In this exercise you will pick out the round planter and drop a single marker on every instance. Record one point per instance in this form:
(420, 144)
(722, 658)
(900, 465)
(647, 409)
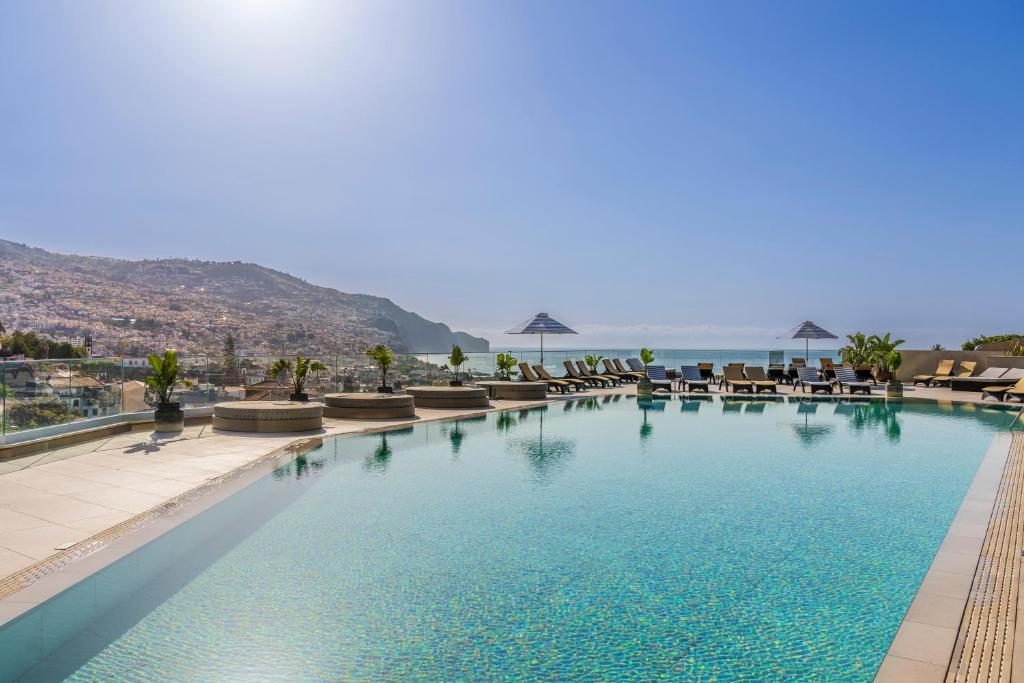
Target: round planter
(301, 398)
(168, 417)
(893, 389)
(645, 388)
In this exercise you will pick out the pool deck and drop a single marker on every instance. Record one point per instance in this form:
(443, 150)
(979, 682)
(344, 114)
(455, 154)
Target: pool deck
(68, 499)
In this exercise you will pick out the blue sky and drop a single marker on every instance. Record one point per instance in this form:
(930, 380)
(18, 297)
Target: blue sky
(672, 174)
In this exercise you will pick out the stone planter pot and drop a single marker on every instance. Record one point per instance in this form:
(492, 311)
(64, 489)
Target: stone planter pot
(301, 398)
(645, 388)
(893, 389)
(168, 417)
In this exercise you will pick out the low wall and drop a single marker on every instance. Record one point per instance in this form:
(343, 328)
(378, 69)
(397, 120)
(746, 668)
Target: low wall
(925, 362)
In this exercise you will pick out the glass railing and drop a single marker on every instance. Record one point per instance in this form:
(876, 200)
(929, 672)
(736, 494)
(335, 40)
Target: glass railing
(36, 394)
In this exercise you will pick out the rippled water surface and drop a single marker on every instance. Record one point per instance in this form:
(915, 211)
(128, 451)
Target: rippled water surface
(596, 539)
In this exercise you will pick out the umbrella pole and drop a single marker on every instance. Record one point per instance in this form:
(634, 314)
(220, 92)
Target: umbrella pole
(807, 351)
(542, 348)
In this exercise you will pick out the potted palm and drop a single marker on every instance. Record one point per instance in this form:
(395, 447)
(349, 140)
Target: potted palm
(857, 353)
(384, 358)
(298, 372)
(165, 378)
(887, 360)
(644, 387)
(454, 367)
(503, 363)
(592, 359)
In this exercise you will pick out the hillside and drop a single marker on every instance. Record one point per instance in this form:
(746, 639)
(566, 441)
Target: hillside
(133, 306)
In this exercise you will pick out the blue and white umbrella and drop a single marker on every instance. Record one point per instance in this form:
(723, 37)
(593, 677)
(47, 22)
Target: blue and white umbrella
(541, 324)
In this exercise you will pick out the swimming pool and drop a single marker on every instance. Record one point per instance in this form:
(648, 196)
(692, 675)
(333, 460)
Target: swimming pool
(596, 538)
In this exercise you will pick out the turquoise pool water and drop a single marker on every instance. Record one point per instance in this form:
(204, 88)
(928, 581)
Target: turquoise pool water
(596, 539)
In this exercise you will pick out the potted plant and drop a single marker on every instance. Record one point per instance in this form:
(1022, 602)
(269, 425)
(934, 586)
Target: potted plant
(384, 358)
(454, 367)
(644, 387)
(298, 373)
(887, 360)
(165, 378)
(503, 363)
(592, 359)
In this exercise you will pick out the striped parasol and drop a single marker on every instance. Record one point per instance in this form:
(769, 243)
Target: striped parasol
(807, 331)
(541, 324)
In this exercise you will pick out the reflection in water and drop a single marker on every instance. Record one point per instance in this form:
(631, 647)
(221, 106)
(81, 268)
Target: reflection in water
(543, 455)
(873, 416)
(807, 433)
(645, 404)
(381, 456)
(505, 421)
(456, 433)
(303, 466)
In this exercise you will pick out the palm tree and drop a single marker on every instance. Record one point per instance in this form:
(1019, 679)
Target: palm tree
(298, 373)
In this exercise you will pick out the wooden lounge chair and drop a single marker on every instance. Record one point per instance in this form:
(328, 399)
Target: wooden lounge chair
(966, 370)
(707, 371)
(609, 369)
(658, 377)
(572, 373)
(527, 374)
(808, 377)
(777, 373)
(579, 384)
(865, 373)
(1000, 392)
(732, 377)
(587, 373)
(761, 381)
(622, 369)
(945, 369)
(827, 368)
(846, 377)
(691, 379)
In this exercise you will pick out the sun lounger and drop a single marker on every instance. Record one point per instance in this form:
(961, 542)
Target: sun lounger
(846, 377)
(571, 373)
(945, 369)
(587, 373)
(760, 380)
(707, 371)
(732, 377)
(865, 373)
(995, 376)
(660, 380)
(777, 372)
(579, 384)
(637, 375)
(527, 374)
(827, 368)
(691, 379)
(610, 369)
(1000, 392)
(635, 365)
(966, 370)
(808, 377)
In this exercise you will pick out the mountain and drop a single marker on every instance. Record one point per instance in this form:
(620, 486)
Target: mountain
(190, 305)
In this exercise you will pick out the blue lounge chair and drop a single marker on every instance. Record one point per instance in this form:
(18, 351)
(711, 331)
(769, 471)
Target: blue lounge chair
(656, 373)
(847, 377)
(691, 379)
(808, 377)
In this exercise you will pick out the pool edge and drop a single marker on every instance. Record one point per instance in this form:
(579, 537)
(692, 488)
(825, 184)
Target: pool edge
(923, 646)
